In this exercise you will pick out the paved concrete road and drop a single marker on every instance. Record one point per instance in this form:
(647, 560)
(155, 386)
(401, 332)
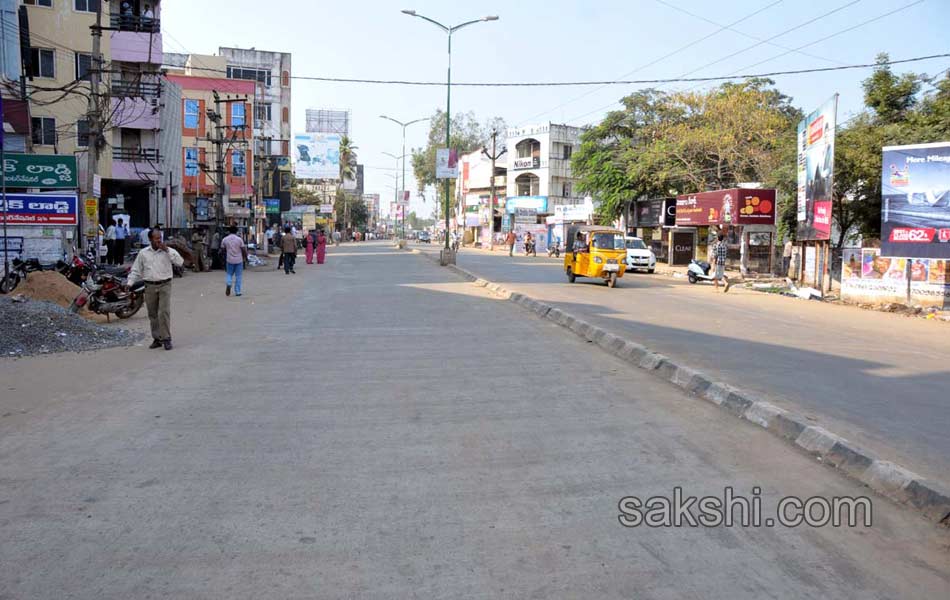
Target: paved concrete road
(878, 379)
(376, 428)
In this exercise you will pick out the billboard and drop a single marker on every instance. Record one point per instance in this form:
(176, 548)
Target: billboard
(736, 206)
(52, 171)
(915, 201)
(39, 209)
(538, 203)
(816, 164)
(317, 155)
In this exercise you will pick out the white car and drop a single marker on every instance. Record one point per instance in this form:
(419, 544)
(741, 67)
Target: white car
(639, 256)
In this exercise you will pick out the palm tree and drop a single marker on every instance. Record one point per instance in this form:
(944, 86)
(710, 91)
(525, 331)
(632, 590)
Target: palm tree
(347, 158)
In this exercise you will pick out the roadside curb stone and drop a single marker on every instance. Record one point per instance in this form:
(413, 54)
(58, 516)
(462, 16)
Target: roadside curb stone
(930, 498)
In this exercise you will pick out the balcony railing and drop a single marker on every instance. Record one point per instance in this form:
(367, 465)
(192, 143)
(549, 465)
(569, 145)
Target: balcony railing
(136, 89)
(135, 23)
(136, 154)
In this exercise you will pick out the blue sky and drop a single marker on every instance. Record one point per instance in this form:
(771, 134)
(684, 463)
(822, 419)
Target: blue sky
(538, 40)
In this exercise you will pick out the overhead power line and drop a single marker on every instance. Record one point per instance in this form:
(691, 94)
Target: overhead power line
(614, 81)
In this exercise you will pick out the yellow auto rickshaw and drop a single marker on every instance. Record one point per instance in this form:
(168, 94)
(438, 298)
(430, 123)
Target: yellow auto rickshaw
(595, 251)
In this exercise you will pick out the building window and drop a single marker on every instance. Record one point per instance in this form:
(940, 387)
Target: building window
(262, 112)
(238, 118)
(42, 63)
(86, 5)
(567, 189)
(192, 116)
(47, 3)
(568, 150)
(191, 162)
(83, 66)
(285, 115)
(285, 79)
(82, 132)
(44, 131)
(258, 75)
(237, 164)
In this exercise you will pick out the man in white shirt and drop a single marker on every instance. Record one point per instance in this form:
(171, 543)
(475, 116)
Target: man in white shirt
(110, 243)
(154, 265)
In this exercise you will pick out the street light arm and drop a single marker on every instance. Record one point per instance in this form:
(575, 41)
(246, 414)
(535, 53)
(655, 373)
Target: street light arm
(413, 13)
(455, 28)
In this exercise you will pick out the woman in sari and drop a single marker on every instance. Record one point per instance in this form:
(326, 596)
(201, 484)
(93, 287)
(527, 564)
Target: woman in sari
(321, 246)
(309, 239)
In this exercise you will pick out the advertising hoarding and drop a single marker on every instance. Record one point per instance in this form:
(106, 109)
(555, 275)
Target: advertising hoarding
(39, 209)
(735, 206)
(272, 206)
(816, 162)
(538, 203)
(446, 163)
(52, 171)
(915, 201)
(317, 155)
(649, 213)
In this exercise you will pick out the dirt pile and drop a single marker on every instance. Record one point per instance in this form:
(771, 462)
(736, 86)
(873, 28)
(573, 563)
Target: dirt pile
(49, 286)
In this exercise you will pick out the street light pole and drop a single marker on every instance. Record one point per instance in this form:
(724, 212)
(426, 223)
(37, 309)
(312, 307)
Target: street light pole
(402, 234)
(448, 96)
(404, 125)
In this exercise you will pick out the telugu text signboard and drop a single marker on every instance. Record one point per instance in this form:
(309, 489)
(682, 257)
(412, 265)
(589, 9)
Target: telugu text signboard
(915, 201)
(816, 162)
(51, 171)
(734, 206)
(39, 209)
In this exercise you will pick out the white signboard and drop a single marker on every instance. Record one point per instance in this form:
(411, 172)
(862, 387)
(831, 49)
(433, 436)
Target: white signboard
(446, 164)
(317, 155)
(326, 209)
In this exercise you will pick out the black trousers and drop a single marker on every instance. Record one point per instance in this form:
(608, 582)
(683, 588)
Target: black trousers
(289, 259)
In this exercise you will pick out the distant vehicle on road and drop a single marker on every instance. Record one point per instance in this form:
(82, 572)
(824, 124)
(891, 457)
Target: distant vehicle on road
(424, 237)
(639, 256)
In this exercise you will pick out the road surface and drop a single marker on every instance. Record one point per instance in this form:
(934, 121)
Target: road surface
(878, 379)
(377, 428)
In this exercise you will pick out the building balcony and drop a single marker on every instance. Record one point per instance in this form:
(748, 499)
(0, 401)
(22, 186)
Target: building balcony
(127, 88)
(136, 40)
(136, 113)
(137, 164)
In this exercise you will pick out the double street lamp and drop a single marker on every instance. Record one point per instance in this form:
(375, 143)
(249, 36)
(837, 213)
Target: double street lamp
(397, 191)
(403, 157)
(448, 94)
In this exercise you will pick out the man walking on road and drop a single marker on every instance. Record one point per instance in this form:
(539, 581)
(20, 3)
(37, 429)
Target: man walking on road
(719, 260)
(235, 255)
(288, 247)
(154, 266)
(510, 241)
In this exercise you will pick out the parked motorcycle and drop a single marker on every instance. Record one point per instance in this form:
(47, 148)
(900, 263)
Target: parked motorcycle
(105, 294)
(18, 271)
(554, 250)
(530, 249)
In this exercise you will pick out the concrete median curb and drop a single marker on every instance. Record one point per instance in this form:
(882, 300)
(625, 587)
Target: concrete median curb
(930, 498)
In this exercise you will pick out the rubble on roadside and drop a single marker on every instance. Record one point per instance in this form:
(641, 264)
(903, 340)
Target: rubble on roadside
(32, 327)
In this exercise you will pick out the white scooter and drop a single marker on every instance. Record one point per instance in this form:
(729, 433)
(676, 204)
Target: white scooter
(699, 269)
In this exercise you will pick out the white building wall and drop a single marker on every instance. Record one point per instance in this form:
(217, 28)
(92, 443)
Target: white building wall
(553, 169)
(277, 95)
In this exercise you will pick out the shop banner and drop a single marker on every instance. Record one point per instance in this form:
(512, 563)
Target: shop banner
(538, 232)
(91, 220)
(880, 278)
(538, 203)
(39, 209)
(915, 201)
(272, 206)
(721, 207)
(816, 161)
(53, 171)
(317, 155)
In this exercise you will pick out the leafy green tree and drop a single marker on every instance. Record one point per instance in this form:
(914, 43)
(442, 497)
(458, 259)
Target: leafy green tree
(347, 158)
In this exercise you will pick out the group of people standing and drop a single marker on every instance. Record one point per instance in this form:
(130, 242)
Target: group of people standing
(116, 239)
(314, 242)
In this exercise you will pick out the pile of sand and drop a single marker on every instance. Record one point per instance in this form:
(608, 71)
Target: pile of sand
(51, 286)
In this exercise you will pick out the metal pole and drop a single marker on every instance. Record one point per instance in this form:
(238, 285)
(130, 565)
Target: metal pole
(3, 177)
(402, 189)
(448, 125)
(491, 199)
(92, 163)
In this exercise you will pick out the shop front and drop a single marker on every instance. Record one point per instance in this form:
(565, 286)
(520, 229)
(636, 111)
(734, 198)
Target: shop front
(652, 222)
(745, 216)
(564, 216)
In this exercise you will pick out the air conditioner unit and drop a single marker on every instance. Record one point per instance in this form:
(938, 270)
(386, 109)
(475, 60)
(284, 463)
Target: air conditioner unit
(155, 104)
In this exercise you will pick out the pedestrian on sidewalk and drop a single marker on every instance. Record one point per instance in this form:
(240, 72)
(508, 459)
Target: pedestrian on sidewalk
(235, 253)
(110, 243)
(719, 260)
(154, 265)
(121, 233)
(786, 257)
(288, 246)
(198, 243)
(337, 237)
(510, 240)
(216, 250)
(310, 241)
(321, 247)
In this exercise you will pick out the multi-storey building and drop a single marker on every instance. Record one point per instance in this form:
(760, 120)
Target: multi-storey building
(140, 119)
(270, 72)
(539, 163)
(476, 209)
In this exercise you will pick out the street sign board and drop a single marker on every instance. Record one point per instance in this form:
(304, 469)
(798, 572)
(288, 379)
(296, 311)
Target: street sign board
(50, 171)
(39, 209)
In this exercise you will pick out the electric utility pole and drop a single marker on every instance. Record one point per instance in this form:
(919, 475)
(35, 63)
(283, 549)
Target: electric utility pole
(94, 119)
(495, 155)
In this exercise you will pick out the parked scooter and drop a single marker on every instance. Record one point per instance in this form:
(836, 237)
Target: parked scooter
(105, 294)
(699, 269)
(554, 250)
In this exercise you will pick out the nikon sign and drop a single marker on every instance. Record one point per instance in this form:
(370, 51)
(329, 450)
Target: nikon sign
(48, 171)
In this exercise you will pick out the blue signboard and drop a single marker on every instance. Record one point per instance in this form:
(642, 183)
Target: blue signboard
(39, 209)
(272, 205)
(537, 203)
